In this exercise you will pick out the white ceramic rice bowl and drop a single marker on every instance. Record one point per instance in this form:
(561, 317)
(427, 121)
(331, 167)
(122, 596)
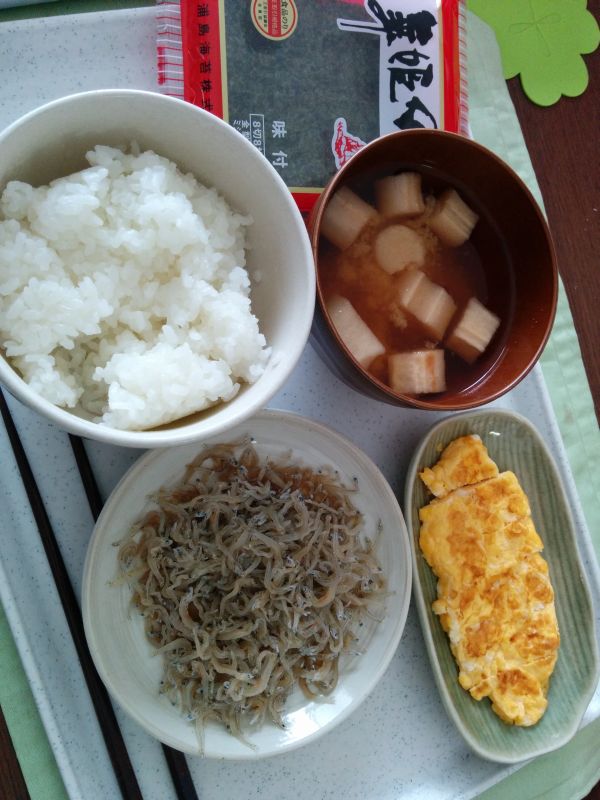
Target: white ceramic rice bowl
(51, 142)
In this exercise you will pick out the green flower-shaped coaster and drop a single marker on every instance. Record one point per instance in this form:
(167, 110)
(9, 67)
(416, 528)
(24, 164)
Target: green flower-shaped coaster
(543, 41)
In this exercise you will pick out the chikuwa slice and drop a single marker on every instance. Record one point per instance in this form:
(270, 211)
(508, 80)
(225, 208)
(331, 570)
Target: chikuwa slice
(417, 372)
(397, 247)
(452, 220)
(430, 304)
(356, 334)
(473, 331)
(344, 217)
(400, 195)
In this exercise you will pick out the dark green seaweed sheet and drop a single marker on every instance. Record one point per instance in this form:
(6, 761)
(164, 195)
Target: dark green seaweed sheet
(307, 81)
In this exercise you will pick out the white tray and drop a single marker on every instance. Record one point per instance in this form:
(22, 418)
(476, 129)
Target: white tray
(400, 742)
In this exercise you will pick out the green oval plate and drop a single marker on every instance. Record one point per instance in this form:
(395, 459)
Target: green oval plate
(514, 444)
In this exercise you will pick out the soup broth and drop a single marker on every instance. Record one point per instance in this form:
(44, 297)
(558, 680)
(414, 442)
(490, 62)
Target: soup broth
(478, 268)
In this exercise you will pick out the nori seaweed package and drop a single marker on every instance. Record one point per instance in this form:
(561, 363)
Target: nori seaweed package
(308, 82)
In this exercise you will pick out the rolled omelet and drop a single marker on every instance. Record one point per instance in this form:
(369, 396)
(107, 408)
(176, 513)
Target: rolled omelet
(463, 462)
(495, 600)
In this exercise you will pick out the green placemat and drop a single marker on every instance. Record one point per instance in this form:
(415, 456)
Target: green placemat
(27, 732)
(568, 773)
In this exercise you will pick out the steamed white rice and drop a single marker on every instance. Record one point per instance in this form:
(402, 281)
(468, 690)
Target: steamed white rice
(123, 291)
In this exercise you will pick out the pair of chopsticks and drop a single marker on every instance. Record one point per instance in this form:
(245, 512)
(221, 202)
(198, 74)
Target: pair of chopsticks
(115, 744)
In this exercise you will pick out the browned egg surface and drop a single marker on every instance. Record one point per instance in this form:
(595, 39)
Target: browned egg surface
(494, 596)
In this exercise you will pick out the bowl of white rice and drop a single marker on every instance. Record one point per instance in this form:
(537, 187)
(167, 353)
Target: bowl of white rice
(156, 278)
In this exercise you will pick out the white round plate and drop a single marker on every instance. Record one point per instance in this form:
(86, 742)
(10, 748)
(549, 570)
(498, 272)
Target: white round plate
(114, 630)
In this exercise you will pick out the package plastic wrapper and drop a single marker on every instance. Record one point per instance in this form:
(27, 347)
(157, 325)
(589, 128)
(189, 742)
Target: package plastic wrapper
(309, 82)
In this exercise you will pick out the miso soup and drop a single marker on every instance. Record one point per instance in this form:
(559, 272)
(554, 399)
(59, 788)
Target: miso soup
(362, 269)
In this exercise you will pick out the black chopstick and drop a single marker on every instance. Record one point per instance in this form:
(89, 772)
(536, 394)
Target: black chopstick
(113, 738)
(176, 761)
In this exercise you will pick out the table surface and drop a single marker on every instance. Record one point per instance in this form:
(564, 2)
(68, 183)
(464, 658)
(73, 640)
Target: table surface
(563, 145)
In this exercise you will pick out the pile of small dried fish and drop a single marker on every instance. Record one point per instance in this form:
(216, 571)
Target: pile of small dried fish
(252, 576)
